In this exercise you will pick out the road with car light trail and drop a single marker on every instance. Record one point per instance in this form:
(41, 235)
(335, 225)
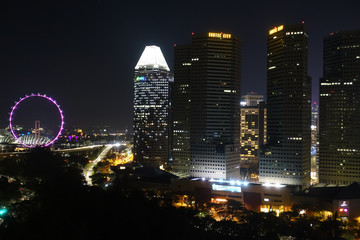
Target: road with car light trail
(88, 169)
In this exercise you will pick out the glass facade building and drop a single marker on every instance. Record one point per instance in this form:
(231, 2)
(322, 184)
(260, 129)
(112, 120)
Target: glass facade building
(206, 106)
(285, 159)
(152, 86)
(339, 149)
(181, 114)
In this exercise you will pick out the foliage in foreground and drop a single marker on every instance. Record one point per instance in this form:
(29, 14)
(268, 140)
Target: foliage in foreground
(62, 207)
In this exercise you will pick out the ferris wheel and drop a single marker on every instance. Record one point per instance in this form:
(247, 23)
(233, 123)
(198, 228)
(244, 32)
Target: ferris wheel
(35, 139)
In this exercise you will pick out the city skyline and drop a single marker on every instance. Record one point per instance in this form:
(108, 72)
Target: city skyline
(83, 53)
(180, 120)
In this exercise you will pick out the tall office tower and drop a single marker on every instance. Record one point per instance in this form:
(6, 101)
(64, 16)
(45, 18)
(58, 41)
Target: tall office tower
(252, 134)
(286, 157)
(152, 86)
(181, 114)
(210, 70)
(339, 156)
(215, 112)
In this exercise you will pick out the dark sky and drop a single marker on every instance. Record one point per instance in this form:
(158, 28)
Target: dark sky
(83, 52)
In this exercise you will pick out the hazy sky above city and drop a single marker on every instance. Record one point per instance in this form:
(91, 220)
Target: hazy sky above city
(83, 52)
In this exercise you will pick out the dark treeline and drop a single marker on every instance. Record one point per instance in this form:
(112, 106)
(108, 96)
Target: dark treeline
(60, 206)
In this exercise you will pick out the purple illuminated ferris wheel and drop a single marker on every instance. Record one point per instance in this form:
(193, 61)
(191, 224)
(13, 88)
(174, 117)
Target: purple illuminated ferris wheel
(36, 140)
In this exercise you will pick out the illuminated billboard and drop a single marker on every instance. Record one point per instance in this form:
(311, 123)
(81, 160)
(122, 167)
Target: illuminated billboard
(343, 207)
(217, 187)
(276, 29)
(140, 78)
(219, 35)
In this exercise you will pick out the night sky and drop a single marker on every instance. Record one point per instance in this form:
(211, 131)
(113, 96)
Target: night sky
(83, 53)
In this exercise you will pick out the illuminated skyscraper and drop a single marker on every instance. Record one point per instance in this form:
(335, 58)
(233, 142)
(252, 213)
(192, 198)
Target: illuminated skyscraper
(314, 143)
(286, 157)
(252, 134)
(152, 108)
(339, 149)
(206, 103)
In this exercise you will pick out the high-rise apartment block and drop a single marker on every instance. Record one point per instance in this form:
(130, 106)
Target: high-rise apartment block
(286, 157)
(252, 134)
(152, 85)
(339, 149)
(206, 106)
